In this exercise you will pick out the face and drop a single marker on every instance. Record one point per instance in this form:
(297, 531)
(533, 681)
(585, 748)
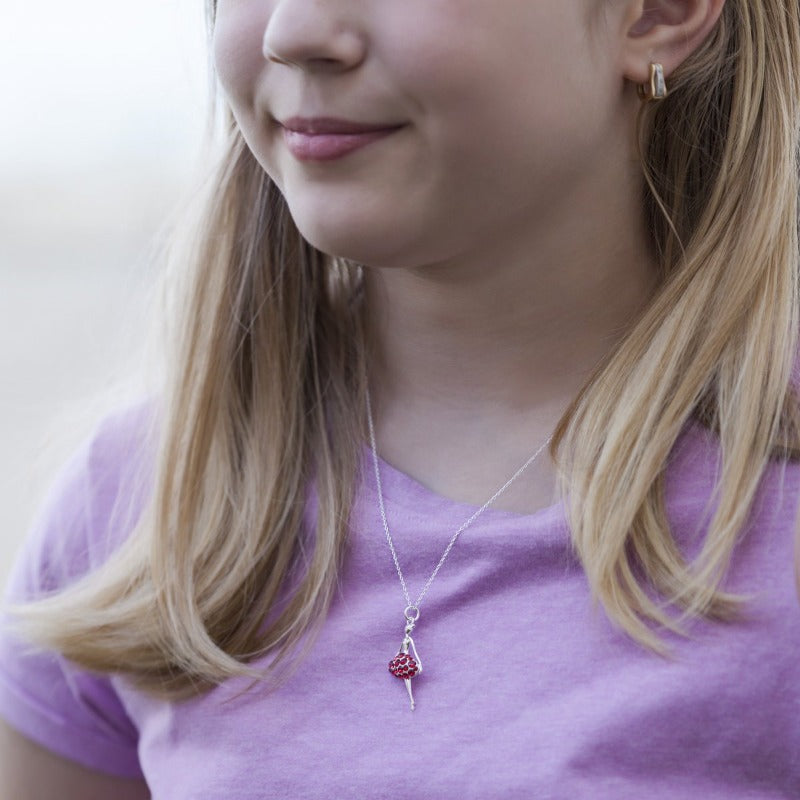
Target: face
(504, 106)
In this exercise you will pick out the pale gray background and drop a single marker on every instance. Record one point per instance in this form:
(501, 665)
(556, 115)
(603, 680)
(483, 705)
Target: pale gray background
(104, 112)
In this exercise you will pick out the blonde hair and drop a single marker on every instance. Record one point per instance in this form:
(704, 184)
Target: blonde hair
(264, 395)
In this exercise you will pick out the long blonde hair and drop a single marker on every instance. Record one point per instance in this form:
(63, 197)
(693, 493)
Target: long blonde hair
(264, 395)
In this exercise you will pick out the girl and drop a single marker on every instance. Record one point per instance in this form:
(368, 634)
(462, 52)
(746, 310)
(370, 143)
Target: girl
(482, 394)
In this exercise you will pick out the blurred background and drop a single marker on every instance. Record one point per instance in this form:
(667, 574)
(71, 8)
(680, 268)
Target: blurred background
(105, 110)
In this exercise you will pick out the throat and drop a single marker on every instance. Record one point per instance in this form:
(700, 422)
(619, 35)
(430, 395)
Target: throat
(469, 472)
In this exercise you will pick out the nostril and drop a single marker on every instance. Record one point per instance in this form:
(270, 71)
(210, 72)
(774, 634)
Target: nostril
(277, 59)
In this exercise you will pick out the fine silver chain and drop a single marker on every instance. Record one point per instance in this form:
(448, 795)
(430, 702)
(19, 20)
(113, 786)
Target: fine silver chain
(463, 527)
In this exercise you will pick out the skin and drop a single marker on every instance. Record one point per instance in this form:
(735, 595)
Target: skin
(502, 227)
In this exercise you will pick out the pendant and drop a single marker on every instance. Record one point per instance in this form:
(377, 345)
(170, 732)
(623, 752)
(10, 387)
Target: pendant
(404, 665)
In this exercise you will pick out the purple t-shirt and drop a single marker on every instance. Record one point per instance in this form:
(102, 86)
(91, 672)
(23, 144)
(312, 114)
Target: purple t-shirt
(525, 692)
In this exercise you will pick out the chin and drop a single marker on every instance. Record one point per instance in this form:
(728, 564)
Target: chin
(376, 246)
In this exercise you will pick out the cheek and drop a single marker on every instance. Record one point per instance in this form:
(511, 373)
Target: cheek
(496, 65)
(520, 82)
(236, 48)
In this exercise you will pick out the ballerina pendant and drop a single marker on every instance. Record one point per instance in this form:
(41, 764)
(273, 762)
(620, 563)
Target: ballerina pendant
(404, 665)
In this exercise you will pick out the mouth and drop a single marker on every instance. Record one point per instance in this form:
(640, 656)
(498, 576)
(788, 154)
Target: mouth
(330, 146)
(315, 126)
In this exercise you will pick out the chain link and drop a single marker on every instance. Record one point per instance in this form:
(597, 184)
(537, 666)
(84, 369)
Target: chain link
(463, 527)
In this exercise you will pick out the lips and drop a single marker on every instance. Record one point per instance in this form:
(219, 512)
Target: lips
(329, 138)
(334, 125)
(330, 146)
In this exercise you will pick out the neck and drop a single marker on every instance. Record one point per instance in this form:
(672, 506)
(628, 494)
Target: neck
(505, 335)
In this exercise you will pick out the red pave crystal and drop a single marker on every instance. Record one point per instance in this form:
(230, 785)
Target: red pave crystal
(403, 666)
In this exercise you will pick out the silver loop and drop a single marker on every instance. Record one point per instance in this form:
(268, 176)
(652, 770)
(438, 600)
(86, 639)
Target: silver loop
(408, 616)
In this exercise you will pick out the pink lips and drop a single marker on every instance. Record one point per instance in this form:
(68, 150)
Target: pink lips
(325, 139)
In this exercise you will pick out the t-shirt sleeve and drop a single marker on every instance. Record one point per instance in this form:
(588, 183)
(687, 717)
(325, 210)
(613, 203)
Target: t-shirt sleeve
(73, 712)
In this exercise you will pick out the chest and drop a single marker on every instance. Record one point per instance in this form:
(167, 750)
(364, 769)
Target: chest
(547, 703)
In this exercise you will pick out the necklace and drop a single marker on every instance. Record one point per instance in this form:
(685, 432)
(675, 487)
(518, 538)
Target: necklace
(404, 665)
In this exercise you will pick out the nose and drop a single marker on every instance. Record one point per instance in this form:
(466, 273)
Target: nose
(312, 36)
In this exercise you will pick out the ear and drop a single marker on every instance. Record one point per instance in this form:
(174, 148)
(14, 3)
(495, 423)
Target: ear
(664, 31)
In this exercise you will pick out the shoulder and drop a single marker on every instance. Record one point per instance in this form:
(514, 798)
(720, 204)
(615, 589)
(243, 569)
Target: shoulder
(92, 504)
(116, 470)
(86, 514)
(767, 523)
(696, 467)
